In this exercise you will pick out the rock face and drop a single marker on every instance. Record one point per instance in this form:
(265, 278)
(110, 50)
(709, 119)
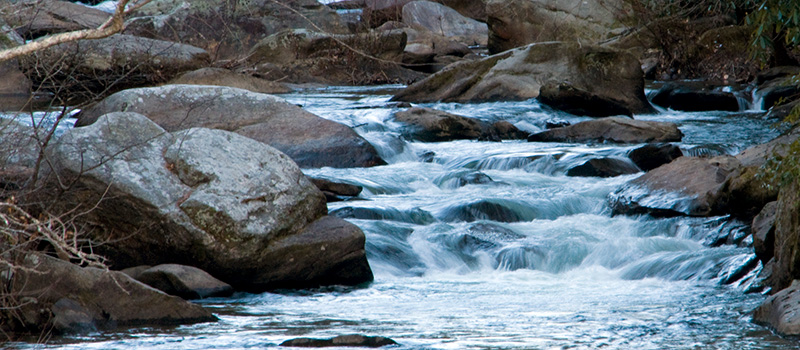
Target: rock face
(33, 19)
(199, 22)
(114, 63)
(763, 229)
(351, 340)
(430, 125)
(781, 311)
(74, 299)
(224, 77)
(183, 281)
(687, 186)
(444, 21)
(787, 239)
(227, 204)
(311, 141)
(602, 73)
(515, 23)
(612, 129)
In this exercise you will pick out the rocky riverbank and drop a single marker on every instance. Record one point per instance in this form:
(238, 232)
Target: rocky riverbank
(180, 156)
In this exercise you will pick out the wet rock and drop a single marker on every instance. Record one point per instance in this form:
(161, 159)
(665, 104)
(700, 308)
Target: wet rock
(33, 19)
(311, 141)
(227, 204)
(519, 74)
(687, 186)
(225, 77)
(787, 240)
(494, 232)
(444, 21)
(781, 311)
(763, 229)
(69, 299)
(427, 156)
(430, 125)
(351, 340)
(87, 68)
(653, 155)
(412, 216)
(461, 179)
(183, 281)
(508, 131)
(576, 101)
(336, 191)
(604, 167)
(515, 23)
(612, 129)
(483, 210)
(691, 99)
(198, 22)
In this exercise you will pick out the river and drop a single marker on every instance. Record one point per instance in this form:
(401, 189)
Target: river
(527, 258)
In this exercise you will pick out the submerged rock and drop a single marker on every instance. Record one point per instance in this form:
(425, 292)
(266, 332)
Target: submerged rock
(430, 125)
(69, 298)
(232, 206)
(604, 167)
(311, 141)
(351, 340)
(601, 73)
(612, 129)
(412, 216)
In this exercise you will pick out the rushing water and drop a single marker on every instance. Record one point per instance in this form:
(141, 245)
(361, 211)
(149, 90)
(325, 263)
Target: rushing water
(531, 260)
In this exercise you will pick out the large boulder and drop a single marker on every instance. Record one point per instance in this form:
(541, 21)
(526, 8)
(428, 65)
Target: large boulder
(787, 239)
(691, 98)
(612, 129)
(37, 18)
(311, 141)
(229, 29)
(781, 311)
(430, 125)
(85, 69)
(602, 73)
(68, 298)
(227, 204)
(15, 88)
(654, 155)
(444, 21)
(686, 186)
(515, 23)
(378, 12)
(225, 77)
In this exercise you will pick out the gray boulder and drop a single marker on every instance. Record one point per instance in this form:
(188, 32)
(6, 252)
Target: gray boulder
(15, 88)
(515, 23)
(201, 22)
(781, 311)
(69, 298)
(184, 281)
(430, 125)
(227, 204)
(601, 74)
(612, 129)
(33, 19)
(311, 141)
(686, 186)
(444, 21)
(87, 68)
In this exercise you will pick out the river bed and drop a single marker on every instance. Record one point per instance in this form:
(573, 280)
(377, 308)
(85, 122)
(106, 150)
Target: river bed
(532, 259)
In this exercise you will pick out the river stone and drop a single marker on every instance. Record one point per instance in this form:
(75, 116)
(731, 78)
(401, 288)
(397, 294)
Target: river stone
(763, 228)
(86, 69)
(694, 99)
(413, 216)
(576, 101)
(232, 206)
(229, 29)
(612, 129)
(519, 74)
(603, 167)
(515, 23)
(184, 281)
(336, 191)
(69, 298)
(444, 21)
(33, 19)
(350, 340)
(225, 77)
(430, 125)
(686, 186)
(654, 155)
(311, 141)
(781, 311)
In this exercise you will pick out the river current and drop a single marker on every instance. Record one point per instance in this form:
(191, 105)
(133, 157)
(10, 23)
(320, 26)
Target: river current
(489, 245)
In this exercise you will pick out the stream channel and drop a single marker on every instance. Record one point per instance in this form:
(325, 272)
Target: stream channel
(532, 259)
